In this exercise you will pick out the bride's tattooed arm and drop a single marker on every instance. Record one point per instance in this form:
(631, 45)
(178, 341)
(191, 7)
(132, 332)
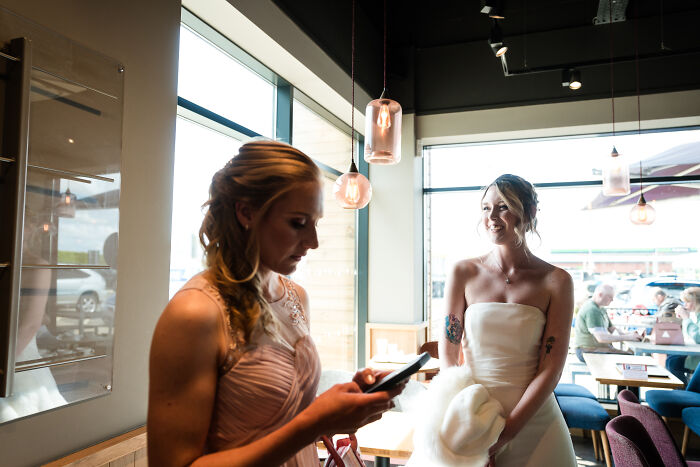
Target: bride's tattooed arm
(453, 329)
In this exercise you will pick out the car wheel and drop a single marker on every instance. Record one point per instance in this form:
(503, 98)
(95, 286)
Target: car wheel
(87, 303)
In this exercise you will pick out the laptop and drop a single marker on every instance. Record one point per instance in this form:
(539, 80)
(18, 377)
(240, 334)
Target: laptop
(667, 334)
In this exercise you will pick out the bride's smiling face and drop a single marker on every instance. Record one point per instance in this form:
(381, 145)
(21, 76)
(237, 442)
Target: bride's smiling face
(497, 219)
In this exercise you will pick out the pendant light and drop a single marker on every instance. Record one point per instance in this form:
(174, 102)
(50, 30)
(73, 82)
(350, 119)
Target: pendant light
(66, 205)
(616, 172)
(383, 125)
(642, 213)
(352, 190)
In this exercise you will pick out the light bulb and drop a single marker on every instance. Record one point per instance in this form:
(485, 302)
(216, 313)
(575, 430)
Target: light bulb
(501, 51)
(616, 178)
(46, 227)
(67, 199)
(642, 213)
(384, 118)
(352, 191)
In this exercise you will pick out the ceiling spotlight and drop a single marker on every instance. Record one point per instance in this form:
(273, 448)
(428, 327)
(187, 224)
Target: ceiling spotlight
(496, 40)
(571, 78)
(493, 8)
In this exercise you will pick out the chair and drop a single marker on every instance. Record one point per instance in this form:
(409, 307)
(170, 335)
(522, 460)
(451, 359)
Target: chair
(630, 443)
(573, 390)
(691, 418)
(671, 403)
(656, 428)
(587, 414)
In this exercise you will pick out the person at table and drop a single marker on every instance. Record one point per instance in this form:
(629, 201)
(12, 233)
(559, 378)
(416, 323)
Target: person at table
(233, 369)
(593, 330)
(680, 365)
(511, 313)
(665, 304)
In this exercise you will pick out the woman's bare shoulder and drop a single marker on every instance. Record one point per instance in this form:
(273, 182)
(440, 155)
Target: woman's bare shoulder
(467, 268)
(192, 311)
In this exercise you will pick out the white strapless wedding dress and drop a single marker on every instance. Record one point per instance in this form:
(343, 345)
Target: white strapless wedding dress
(501, 347)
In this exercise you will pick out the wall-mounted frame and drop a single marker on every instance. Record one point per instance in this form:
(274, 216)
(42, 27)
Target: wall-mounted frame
(60, 157)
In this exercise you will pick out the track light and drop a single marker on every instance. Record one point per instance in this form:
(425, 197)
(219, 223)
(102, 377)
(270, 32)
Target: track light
(493, 8)
(571, 78)
(496, 40)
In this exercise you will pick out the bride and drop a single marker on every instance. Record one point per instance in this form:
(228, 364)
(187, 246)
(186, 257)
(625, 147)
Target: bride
(511, 313)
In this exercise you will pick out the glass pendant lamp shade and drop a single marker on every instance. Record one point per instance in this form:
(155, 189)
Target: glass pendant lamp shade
(642, 213)
(352, 190)
(616, 175)
(383, 131)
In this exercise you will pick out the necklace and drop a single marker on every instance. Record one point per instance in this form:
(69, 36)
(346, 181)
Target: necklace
(502, 271)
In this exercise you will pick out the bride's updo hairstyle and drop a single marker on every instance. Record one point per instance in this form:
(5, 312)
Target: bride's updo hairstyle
(261, 173)
(521, 199)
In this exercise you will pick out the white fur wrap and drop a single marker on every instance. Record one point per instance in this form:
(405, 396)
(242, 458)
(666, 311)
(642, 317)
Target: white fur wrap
(456, 422)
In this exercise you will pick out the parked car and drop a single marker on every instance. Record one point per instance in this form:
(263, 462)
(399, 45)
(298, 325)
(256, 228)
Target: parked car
(641, 294)
(80, 289)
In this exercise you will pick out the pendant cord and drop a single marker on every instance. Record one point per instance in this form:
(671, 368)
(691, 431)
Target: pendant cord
(352, 77)
(384, 44)
(612, 73)
(636, 64)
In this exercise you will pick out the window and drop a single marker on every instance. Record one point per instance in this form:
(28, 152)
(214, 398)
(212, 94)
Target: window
(199, 152)
(328, 273)
(213, 79)
(226, 97)
(581, 230)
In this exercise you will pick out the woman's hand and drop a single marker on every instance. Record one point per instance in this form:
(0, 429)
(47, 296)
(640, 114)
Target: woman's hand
(344, 408)
(366, 377)
(503, 439)
(682, 312)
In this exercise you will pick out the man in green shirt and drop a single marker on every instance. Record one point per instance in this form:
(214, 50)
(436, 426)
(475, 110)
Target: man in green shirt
(594, 331)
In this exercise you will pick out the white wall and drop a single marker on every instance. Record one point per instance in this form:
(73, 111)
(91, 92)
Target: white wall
(144, 36)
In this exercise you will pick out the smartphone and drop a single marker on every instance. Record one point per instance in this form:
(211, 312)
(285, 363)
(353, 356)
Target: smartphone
(400, 375)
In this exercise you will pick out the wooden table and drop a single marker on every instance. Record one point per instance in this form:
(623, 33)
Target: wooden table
(646, 348)
(390, 436)
(603, 368)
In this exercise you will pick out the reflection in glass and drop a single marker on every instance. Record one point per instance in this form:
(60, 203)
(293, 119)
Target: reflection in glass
(68, 276)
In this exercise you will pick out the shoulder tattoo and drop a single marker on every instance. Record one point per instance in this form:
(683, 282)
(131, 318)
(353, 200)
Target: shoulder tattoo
(453, 329)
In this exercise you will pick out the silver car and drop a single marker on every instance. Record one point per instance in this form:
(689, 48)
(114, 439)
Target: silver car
(80, 289)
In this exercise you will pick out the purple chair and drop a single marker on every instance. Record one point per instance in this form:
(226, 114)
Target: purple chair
(656, 428)
(630, 443)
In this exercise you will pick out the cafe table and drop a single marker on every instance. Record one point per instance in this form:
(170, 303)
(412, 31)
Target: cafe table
(603, 368)
(390, 436)
(646, 348)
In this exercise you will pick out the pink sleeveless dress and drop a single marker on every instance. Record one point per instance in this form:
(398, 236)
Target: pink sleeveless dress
(269, 383)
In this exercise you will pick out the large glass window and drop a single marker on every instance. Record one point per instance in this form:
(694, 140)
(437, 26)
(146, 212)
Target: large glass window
(213, 79)
(328, 273)
(199, 152)
(582, 231)
(228, 93)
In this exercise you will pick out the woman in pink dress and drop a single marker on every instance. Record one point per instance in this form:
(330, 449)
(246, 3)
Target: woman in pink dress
(233, 370)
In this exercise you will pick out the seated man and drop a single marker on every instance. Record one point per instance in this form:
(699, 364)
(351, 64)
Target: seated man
(666, 304)
(594, 331)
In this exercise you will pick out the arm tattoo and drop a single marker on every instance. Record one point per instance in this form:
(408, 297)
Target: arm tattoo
(548, 344)
(453, 329)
